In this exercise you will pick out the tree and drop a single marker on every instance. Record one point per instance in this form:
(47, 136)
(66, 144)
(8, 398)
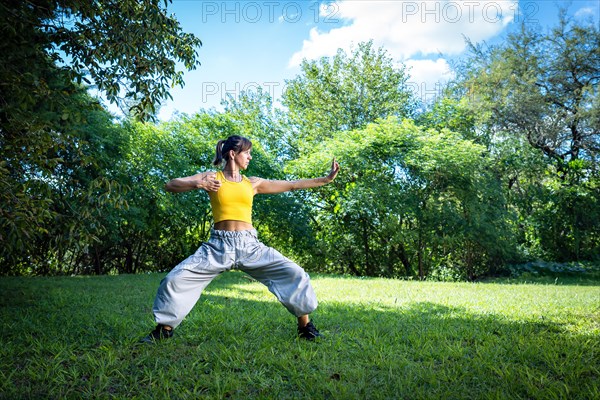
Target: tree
(410, 202)
(159, 229)
(553, 102)
(52, 212)
(125, 48)
(540, 90)
(49, 49)
(345, 93)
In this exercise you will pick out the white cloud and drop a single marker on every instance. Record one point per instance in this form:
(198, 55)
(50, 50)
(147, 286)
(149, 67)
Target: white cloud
(420, 71)
(409, 28)
(427, 77)
(413, 32)
(584, 12)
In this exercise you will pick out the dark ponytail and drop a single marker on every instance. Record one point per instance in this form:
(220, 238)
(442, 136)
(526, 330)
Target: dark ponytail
(219, 154)
(235, 143)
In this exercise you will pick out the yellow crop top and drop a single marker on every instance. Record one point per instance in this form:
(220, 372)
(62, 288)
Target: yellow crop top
(233, 200)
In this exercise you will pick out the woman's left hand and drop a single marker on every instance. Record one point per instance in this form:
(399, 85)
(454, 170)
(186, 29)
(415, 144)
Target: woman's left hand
(335, 168)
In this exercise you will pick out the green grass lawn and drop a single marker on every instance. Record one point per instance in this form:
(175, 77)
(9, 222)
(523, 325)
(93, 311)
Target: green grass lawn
(75, 337)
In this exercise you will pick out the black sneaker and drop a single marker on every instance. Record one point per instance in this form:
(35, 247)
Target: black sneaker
(159, 333)
(309, 332)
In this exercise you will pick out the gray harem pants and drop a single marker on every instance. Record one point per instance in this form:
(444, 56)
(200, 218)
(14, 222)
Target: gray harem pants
(181, 288)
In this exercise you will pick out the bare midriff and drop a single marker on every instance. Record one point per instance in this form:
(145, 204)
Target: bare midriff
(232, 225)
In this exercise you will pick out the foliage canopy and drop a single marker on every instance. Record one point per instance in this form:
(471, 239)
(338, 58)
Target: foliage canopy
(503, 169)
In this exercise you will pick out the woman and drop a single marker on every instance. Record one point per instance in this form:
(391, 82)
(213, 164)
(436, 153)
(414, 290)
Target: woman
(233, 243)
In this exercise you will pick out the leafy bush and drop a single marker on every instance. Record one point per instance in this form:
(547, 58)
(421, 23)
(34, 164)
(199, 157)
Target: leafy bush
(554, 269)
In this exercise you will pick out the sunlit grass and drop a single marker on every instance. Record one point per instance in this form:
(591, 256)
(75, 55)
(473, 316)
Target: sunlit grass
(76, 338)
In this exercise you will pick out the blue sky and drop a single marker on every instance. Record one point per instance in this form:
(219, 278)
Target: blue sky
(252, 43)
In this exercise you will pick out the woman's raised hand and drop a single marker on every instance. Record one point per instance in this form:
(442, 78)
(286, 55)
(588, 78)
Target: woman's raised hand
(335, 168)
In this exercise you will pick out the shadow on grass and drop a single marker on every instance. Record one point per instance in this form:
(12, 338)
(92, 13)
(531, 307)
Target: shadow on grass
(75, 337)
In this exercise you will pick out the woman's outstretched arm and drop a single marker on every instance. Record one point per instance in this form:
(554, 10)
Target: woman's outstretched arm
(265, 186)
